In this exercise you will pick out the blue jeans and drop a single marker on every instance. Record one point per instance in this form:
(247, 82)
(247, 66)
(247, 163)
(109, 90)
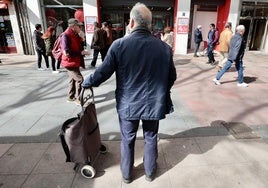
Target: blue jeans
(129, 130)
(238, 66)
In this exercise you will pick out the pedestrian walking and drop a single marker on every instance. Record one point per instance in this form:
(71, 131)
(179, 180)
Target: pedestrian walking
(97, 44)
(236, 54)
(213, 38)
(72, 58)
(108, 36)
(224, 43)
(50, 38)
(145, 73)
(198, 38)
(167, 37)
(40, 47)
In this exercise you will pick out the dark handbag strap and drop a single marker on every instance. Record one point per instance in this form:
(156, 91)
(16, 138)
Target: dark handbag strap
(62, 138)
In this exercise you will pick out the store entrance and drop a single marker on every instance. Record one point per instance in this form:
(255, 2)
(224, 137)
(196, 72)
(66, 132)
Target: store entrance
(116, 13)
(7, 41)
(255, 32)
(253, 16)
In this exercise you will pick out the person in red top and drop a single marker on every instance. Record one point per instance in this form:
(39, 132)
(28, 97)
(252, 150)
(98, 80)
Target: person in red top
(72, 57)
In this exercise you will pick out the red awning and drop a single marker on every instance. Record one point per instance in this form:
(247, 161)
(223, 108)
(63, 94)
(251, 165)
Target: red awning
(3, 6)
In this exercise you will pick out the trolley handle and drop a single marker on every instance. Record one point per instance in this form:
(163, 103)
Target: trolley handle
(84, 99)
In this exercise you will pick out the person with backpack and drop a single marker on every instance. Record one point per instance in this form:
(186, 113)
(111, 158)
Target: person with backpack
(97, 44)
(213, 38)
(50, 38)
(72, 58)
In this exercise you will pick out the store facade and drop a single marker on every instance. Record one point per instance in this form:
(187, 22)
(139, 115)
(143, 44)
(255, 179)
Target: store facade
(181, 15)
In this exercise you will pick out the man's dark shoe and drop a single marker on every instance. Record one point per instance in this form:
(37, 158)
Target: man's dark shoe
(149, 178)
(213, 63)
(196, 56)
(127, 180)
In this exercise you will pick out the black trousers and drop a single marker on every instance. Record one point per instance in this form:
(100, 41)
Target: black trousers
(103, 53)
(39, 58)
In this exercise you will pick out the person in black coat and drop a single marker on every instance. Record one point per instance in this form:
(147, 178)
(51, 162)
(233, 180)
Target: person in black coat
(145, 73)
(40, 47)
(198, 38)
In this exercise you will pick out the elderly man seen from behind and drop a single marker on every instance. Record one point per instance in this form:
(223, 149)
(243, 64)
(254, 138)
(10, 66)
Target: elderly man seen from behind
(145, 73)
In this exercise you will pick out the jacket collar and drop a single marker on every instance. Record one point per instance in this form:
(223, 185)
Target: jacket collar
(140, 29)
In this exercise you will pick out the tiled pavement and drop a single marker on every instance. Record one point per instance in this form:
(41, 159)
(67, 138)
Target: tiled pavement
(195, 148)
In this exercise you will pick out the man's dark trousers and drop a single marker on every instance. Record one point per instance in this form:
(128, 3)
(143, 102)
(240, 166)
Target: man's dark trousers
(129, 130)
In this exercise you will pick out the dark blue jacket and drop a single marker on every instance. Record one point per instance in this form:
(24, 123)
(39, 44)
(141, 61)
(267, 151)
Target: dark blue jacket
(236, 48)
(145, 73)
(198, 36)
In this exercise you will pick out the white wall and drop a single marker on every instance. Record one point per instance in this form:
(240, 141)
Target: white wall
(204, 19)
(34, 13)
(181, 40)
(90, 9)
(15, 28)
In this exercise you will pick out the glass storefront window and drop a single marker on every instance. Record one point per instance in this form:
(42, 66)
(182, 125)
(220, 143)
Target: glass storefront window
(262, 11)
(6, 32)
(247, 11)
(58, 12)
(119, 21)
(250, 9)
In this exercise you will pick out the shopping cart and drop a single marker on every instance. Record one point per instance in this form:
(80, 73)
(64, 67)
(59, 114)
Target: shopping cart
(80, 137)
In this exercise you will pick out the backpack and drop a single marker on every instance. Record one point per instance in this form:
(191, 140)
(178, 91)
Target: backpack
(56, 50)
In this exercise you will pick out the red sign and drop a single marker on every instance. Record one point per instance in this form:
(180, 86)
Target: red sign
(89, 22)
(183, 26)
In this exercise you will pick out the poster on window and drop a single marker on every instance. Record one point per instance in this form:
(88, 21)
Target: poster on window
(89, 21)
(183, 26)
(10, 40)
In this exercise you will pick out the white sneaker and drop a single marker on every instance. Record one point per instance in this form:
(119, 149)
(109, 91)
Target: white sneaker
(242, 84)
(217, 82)
(41, 69)
(55, 72)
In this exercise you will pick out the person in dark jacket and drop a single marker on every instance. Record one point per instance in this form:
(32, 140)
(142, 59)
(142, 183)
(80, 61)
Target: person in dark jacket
(213, 39)
(145, 73)
(98, 44)
(40, 47)
(236, 53)
(198, 38)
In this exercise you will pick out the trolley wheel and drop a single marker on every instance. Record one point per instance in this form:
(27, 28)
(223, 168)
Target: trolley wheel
(103, 149)
(88, 171)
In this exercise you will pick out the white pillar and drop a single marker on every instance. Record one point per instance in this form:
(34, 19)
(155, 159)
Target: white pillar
(182, 26)
(34, 13)
(15, 28)
(91, 15)
(234, 13)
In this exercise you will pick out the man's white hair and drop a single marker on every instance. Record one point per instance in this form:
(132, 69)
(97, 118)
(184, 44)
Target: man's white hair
(240, 28)
(141, 15)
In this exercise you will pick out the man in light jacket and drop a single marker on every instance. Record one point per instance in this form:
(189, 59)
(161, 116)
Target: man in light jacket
(145, 73)
(224, 42)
